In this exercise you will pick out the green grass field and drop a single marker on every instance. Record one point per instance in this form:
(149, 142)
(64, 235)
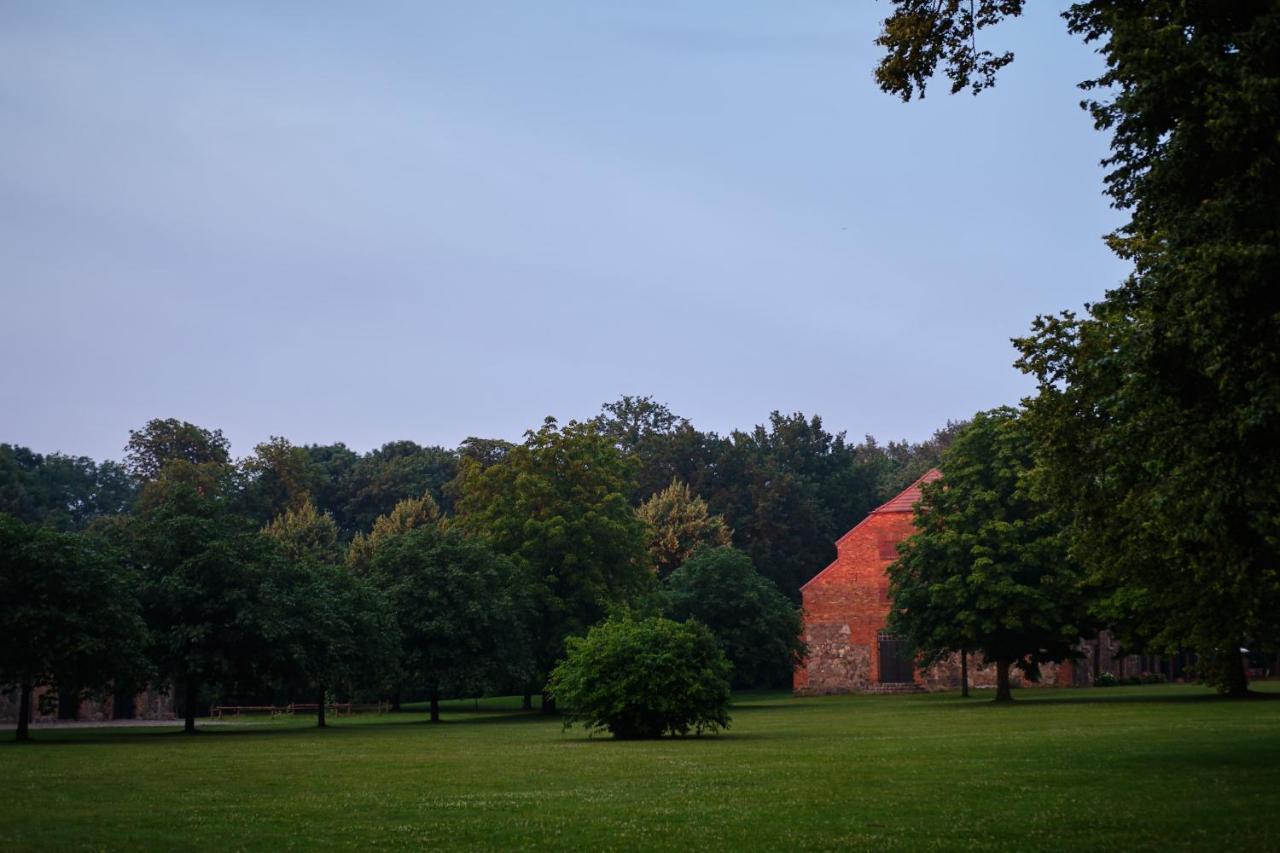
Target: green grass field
(1124, 768)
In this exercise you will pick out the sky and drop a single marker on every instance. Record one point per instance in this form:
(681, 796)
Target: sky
(432, 220)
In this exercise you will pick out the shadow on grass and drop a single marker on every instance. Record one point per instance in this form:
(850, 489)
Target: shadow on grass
(1082, 696)
(575, 736)
(251, 729)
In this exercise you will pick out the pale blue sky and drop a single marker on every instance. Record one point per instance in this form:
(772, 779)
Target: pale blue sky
(364, 222)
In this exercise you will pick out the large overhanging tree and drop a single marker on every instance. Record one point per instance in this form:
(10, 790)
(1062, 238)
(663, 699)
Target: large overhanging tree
(1158, 413)
(988, 569)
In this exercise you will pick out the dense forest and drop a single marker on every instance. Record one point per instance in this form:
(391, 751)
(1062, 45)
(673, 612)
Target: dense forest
(786, 489)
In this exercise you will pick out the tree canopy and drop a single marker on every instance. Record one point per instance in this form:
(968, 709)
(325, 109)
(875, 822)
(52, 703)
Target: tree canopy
(987, 569)
(757, 626)
(557, 505)
(69, 616)
(679, 524)
(1156, 417)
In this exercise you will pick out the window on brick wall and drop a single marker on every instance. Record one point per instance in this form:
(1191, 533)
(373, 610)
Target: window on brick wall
(888, 549)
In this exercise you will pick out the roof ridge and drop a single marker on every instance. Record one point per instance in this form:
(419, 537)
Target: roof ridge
(906, 500)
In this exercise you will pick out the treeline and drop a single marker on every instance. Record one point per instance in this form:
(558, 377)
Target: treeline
(786, 489)
(412, 571)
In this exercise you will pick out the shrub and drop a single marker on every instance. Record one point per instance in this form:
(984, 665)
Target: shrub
(1151, 678)
(643, 679)
(1105, 679)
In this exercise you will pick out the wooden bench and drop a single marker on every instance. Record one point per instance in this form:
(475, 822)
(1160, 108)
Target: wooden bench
(338, 708)
(219, 711)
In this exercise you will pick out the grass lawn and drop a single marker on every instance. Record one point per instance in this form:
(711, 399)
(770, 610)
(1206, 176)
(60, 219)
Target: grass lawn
(1122, 768)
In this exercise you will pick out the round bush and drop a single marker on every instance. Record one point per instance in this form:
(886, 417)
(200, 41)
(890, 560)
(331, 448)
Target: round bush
(643, 679)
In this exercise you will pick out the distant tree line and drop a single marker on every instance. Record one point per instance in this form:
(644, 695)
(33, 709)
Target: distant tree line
(315, 572)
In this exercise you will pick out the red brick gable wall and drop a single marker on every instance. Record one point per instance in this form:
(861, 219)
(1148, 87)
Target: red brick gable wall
(846, 607)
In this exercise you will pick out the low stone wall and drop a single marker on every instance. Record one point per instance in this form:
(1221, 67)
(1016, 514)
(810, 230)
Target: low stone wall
(148, 705)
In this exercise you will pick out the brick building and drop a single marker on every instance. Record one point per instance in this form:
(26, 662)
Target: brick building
(846, 607)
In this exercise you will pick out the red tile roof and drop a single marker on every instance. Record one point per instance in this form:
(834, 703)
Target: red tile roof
(909, 497)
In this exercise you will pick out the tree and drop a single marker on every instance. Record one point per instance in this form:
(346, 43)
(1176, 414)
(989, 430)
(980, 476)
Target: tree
(644, 679)
(679, 524)
(69, 616)
(461, 610)
(205, 590)
(390, 474)
(757, 626)
(789, 489)
(987, 569)
(279, 477)
(557, 505)
(1156, 415)
(304, 534)
(65, 492)
(336, 629)
(407, 515)
(160, 442)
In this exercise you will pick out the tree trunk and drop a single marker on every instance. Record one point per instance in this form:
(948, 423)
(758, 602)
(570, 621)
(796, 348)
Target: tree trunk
(527, 704)
(189, 724)
(435, 705)
(24, 714)
(395, 701)
(1237, 678)
(320, 724)
(964, 674)
(1003, 693)
(548, 704)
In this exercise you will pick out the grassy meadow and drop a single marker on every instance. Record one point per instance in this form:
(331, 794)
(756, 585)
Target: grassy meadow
(1150, 768)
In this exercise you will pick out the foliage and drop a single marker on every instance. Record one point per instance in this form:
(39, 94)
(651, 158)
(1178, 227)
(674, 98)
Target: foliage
(987, 569)
(557, 505)
(69, 617)
(205, 593)
(279, 477)
(398, 470)
(1156, 415)
(461, 610)
(66, 492)
(757, 626)
(406, 515)
(920, 34)
(788, 490)
(161, 442)
(334, 632)
(303, 534)
(679, 524)
(644, 679)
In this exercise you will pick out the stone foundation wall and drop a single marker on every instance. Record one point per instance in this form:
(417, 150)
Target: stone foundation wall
(834, 664)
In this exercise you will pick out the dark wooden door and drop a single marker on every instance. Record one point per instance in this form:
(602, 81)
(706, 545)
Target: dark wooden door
(896, 657)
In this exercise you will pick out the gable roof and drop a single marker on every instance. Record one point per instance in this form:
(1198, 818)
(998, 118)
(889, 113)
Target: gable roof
(904, 501)
(910, 496)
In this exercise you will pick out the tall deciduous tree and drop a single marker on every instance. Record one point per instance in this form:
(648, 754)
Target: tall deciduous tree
(988, 567)
(757, 626)
(205, 589)
(557, 505)
(1157, 414)
(461, 609)
(161, 442)
(679, 524)
(335, 630)
(69, 616)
